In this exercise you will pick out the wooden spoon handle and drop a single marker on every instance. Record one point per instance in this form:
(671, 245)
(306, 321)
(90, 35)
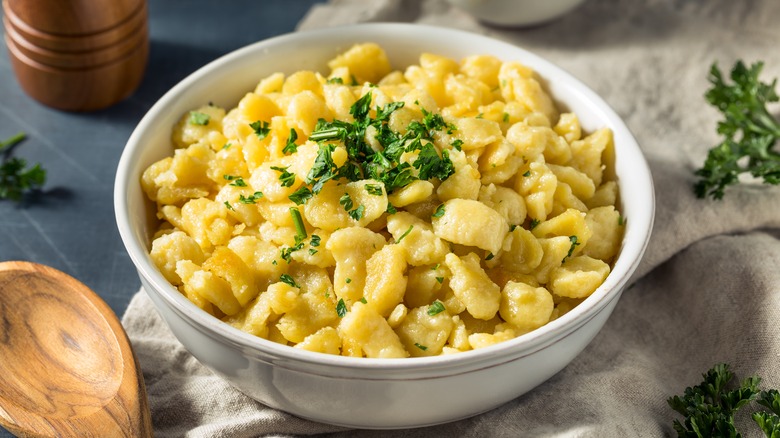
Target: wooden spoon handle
(66, 365)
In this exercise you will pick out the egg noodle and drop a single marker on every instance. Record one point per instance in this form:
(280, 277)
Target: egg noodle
(382, 213)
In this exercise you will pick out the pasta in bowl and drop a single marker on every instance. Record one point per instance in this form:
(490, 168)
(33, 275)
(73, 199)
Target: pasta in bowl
(447, 211)
(374, 212)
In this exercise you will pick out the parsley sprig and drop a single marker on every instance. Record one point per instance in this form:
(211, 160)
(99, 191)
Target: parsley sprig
(749, 131)
(16, 177)
(709, 407)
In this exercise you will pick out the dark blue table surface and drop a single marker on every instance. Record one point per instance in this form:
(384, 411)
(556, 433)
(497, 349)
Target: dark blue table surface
(71, 226)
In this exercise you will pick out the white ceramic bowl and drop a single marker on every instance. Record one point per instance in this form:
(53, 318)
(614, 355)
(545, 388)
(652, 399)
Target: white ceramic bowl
(516, 12)
(373, 393)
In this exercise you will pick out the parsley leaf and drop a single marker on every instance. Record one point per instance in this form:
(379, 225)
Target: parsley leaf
(236, 181)
(16, 178)
(406, 233)
(291, 147)
(301, 196)
(750, 132)
(431, 166)
(261, 128)
(435, 308)
(287, 279)
(287, 179)
(341, 308)
(709, 407)
(357, 213)
(251, 199)
(439, 211)
(346, 201)
(374, 189)
(198, 118)
(574, 244)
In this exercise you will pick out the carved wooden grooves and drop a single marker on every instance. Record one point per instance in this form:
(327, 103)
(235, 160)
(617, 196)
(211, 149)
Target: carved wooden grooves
(66, 365)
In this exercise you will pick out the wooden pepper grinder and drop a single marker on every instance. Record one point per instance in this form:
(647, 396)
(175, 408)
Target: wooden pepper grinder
(77, 55)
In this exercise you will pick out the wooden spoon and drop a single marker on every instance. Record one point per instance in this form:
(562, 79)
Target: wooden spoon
(66, 365)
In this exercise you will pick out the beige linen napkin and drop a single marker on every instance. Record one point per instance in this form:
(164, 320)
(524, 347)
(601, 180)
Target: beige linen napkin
(708, 289)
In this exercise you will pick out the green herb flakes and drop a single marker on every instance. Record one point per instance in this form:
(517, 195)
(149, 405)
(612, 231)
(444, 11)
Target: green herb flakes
(261, 128)
(341, 308)
(198, 118)
(286, 178)
(435, 308)
(406, 233)
(287, 279)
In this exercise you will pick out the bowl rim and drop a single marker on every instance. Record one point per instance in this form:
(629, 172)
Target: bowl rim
(631, 252)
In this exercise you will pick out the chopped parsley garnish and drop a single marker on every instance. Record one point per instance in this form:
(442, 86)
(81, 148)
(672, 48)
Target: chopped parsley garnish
(391, 209)
(287, 279)
(341, 308)
(506, 117)
(335, 80)
(490, 256)
(357, 213)
(436, 307)
(236, 181)
(406, 233)
(574, 244)
(301, 196)
(512, 228)
(198, 118)
(363, 300)
(420, 346)
(315, 240)
(534, 223)
(251, 199)
(286, 253)
(348, 280)
(227, 204)
(291, 147)
(300, 229)
(457, 144)
(16, 178)
(384, 165)
(261, 128)
(346, 201)
(430, 165)
(439, 211)
(226, 145)
(527, 173)
(440, 279)
(374, 189)
(287, 179)
(621, 220)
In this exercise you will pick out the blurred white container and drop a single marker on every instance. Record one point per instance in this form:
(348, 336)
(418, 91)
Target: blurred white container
(516, 12)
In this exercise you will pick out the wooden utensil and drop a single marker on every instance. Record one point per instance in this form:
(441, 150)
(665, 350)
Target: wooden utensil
(66, 365)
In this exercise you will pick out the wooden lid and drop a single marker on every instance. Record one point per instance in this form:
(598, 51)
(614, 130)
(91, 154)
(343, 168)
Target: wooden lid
(73, 43)
(72, 17)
